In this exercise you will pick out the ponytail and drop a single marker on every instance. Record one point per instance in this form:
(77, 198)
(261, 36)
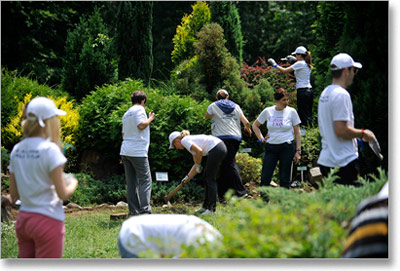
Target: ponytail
(185, 133)
(308, 60)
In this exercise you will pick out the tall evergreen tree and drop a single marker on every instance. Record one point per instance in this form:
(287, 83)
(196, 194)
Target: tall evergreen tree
(134, 39)
(90, 59)
(226, 15)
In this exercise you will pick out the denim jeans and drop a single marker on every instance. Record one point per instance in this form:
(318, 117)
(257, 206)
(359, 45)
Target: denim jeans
(283, 153)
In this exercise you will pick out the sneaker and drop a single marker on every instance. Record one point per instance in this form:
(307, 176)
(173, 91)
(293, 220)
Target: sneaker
(200, 210)
(295, 184)
(207, 212)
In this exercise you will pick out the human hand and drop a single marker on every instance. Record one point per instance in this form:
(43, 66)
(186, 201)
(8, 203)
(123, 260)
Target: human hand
(271, 61)
(152, 115)
(368, 136)
(296, 157)
(248, 131)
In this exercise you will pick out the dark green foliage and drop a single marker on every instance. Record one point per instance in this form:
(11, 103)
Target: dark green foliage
(275, 28)
(5, 160)
(91, 191)
(166, 16)
(226, 15)
(34, 34)
(134, 40)
(249, 167)
(90, 59)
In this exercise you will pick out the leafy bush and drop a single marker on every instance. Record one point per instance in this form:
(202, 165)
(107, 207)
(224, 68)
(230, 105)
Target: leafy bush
(5, 159)
(310, 147)
(13, 91)
(249, 167)
(186, 32)
(91, 191)
(290, 224)
(90, 59)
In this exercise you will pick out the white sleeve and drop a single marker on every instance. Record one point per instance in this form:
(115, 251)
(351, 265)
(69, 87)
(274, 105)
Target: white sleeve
(187, 143)
(210, 109)
(54, 157)
(296, 66)
(262, 118)
(341, 107)
(295, 118)
(141, 116)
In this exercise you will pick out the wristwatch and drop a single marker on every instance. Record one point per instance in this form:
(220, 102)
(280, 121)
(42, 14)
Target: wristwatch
(298, 150)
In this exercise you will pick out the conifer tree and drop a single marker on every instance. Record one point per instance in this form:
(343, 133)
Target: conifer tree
(226, 14)
(134, 40)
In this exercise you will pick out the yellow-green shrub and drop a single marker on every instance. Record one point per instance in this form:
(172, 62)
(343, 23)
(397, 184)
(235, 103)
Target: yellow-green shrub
(249, 167)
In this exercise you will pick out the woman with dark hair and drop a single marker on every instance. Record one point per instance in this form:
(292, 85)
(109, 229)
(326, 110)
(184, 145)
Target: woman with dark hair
(302, 70)
(134, 154)
(282, 122)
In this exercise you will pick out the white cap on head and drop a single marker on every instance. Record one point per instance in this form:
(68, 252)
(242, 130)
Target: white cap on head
(42, 109)
(172, 137)
(343, 60)
(300, 50)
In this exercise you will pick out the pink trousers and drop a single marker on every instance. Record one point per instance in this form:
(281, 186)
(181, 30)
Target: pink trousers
(39, 236)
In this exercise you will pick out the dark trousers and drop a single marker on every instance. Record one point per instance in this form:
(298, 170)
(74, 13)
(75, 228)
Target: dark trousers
(347, 174)
(305, 98)
(229, 177)
(283, 153)
(214, 160)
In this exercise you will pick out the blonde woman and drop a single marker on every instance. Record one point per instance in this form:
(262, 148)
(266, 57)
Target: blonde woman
(199, 146)
(37, 179)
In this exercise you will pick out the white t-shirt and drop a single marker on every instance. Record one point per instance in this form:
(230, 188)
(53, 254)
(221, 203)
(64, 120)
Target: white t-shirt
(205, 142)
(335, 105)
(225, 124)
(165, 233)
(136, 142)
(279, 123)
(31, 161)
(302, 73)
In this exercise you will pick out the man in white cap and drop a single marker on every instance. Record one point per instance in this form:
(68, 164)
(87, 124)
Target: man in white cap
(336, 123)
(226, 117)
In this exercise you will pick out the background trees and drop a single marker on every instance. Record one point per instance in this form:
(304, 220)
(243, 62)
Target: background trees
(137, 36)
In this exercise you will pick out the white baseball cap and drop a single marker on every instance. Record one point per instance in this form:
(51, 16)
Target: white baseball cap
(343, 60)
(42, 109)
(300, 50)
(172, 137)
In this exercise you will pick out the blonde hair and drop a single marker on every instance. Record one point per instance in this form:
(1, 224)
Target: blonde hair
(31, 128)
(184, 133)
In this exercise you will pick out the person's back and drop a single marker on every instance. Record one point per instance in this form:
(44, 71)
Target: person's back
(225, 119)
(163, 234)
(32, 160)
(135, 141)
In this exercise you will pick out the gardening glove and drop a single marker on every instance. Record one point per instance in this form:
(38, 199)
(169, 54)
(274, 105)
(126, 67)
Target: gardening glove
(199, 168)
(271, 62)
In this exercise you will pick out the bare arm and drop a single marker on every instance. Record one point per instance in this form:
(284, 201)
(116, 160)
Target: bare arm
(246, 123)
(13, 188)
(63, 190)
(147, 122)
(256, 128)
(197, 157)
(297, 137)
(284, 70)
(208, 116)
(347, 132)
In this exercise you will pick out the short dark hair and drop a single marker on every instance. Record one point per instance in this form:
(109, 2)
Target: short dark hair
(280, 93)
(138, 96)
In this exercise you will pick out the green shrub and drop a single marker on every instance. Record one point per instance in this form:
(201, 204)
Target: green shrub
(13, 92)
(186, 32)
(90, 59)
(249, 167)
(5, 159)
(290, 224)
(91, 191)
